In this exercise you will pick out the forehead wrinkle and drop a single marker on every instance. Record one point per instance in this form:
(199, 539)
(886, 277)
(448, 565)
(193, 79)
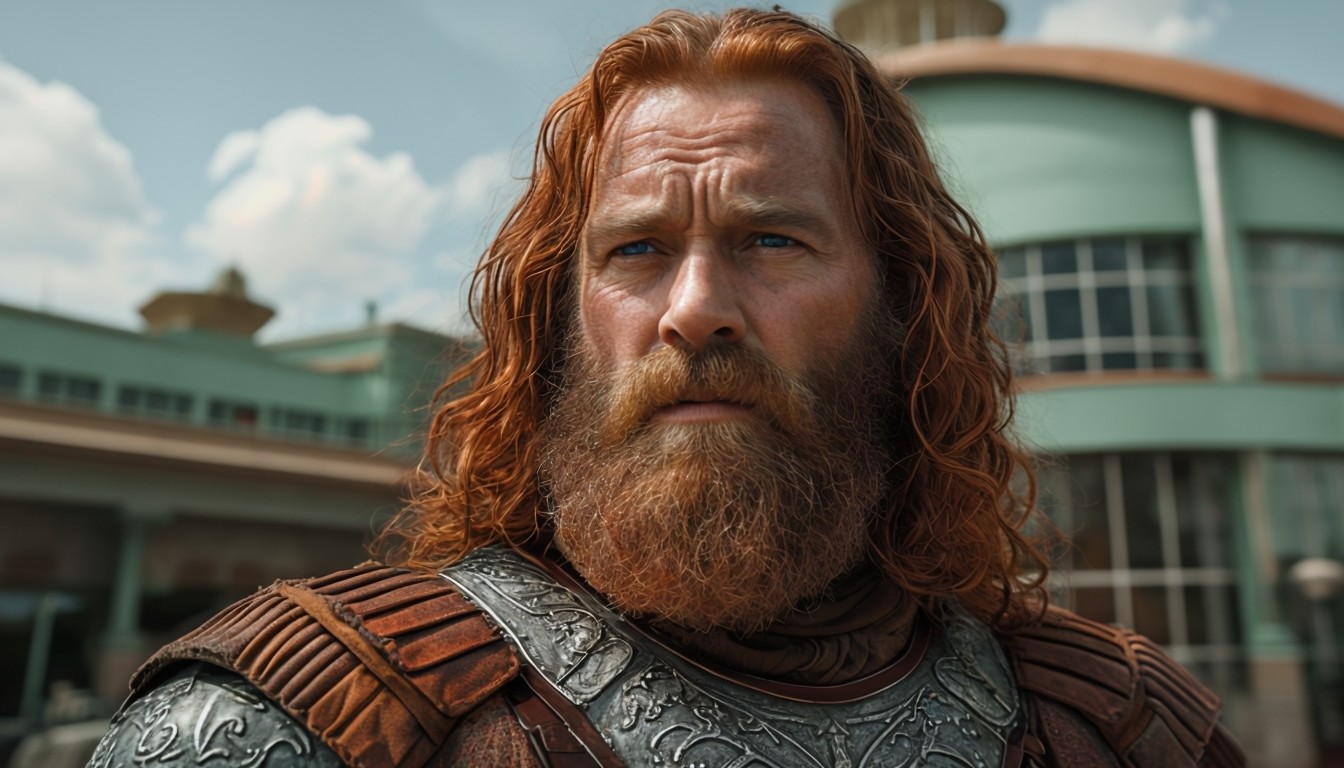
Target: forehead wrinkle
(642, 215)
(658, 148)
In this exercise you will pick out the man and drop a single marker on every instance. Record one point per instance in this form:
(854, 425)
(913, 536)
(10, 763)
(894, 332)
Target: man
(729, 482)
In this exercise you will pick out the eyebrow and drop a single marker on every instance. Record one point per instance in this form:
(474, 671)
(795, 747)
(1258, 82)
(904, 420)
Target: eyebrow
(634, 222)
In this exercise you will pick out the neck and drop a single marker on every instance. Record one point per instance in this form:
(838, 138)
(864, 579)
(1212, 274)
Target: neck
(860, 625)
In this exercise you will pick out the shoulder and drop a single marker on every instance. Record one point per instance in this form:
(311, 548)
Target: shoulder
(381, 662)
(201, 714)
(1088, 680)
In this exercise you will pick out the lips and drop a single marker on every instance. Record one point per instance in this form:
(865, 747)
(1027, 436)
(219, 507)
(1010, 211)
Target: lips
(703, 407)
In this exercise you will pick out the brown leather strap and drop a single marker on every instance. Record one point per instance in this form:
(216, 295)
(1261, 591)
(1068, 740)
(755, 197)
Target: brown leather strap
(562, 734)
(420, 707)
(378, 663)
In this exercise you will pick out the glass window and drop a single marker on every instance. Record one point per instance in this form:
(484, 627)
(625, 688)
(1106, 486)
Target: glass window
(1109, 256)
(1064, 314)
(154, 402)
(293, 422)
(68, 388)
(1297, 284)
(48, 386)
(234, 415)
(1115, 311)
(11, 378)
(1152, 550)
(1059, 259)
(1095, 305)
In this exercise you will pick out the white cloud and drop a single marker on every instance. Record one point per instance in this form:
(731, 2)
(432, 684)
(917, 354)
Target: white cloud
(320, 225)
(236, 148)
(317, 223)
(1160, 26)
(74, 222)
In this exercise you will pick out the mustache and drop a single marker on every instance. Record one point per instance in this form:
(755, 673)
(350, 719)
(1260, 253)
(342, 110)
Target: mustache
(728, 372)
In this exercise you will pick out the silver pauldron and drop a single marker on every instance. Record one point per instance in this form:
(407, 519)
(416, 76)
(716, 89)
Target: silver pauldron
(208, 717)
(957, 707)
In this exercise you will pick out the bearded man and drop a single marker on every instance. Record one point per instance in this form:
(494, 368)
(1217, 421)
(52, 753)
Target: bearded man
(728, 484)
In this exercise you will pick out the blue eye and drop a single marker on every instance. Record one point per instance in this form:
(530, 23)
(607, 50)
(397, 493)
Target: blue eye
(775, 241)
(634, 249)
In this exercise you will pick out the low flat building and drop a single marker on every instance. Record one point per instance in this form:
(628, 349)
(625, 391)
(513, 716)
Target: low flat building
(149, 478)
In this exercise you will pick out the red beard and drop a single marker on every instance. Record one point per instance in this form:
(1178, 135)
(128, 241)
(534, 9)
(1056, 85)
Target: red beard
(722, 524)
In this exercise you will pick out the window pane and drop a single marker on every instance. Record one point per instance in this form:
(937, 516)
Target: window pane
(157, 400)
(1063, 314)
(1211, 616)
(1068, 363)
(10, 377)
(1176, 360)
(1059, 259)
(1091, 533)
(1010, 319)
(1108, 255)
(1012, 263)
(1060, 303)
(48, 384)
(1202, 488)
(1119, 361)
(1169, 310)
(83, 391)
(1114, 312)
(1096, 603)
(128, 398)
(1298, 292)
(1163, 254)
(1150, 613)
(1143, 532)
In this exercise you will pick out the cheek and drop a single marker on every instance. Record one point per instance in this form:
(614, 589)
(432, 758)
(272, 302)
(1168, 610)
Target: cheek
(821, 327)
(618, 327)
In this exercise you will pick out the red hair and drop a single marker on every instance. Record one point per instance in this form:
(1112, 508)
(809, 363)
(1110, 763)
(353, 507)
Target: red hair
(963, 492)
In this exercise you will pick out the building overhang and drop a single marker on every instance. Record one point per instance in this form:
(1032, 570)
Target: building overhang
(33, 427)
(1175, 78)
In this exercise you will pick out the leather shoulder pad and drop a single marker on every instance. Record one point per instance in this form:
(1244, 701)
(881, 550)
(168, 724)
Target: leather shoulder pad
(1148, 708)
(378, 662)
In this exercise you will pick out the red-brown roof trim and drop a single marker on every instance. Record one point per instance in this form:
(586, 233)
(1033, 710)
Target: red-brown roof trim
(1176, 78)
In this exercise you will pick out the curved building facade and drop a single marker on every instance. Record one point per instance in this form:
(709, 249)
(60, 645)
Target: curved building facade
(1171, 256)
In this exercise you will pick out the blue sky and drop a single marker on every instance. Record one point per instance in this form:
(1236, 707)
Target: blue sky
(342, 152)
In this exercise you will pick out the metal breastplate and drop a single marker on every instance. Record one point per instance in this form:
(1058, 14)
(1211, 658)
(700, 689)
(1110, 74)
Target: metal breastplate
(957, 707)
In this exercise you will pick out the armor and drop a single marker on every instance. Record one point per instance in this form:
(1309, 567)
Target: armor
(378, 666)
(949, 701)
(203, 716)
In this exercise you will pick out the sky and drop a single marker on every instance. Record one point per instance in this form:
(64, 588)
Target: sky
(342, 152)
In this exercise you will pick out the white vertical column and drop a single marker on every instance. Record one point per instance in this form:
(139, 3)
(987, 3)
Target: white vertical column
(1204, 130)
(928, 22)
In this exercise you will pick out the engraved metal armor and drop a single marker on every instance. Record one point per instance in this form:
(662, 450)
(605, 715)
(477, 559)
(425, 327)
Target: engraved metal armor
(958, 707)
(203, 716)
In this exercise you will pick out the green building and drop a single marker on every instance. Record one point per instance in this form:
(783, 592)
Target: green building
(1171, 256)
(148, 478)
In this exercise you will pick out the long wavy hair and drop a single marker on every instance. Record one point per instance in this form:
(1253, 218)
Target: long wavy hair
(960, 498)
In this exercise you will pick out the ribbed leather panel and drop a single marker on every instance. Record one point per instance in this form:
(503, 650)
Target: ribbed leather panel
(379, 663)
(1148, 707)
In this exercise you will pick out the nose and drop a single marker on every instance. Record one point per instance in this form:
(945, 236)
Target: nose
(704, 305)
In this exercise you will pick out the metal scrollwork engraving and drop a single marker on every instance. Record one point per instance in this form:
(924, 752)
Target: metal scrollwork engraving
(657, 709)
(564, 638)
(203, 716)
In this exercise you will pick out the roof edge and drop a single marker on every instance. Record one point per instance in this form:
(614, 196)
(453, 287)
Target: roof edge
(1162, 75)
